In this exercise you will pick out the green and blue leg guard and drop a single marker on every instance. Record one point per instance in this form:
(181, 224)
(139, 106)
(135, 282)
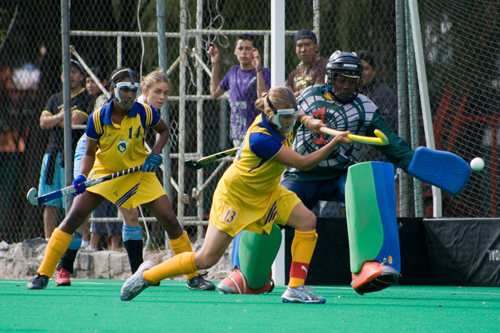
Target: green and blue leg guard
(372, 226)
(253, 256)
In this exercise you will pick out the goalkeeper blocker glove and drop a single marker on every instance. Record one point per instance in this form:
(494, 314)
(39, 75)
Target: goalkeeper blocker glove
(152, 163)
(79, 184)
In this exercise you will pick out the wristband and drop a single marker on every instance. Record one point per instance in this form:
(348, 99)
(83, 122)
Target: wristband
(303, 118)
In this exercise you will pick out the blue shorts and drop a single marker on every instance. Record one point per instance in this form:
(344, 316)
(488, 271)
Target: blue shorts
(310, 192)
(106, 209)
(57, 183)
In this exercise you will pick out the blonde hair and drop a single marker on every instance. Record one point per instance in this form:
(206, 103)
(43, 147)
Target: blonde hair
(153, 78)
(280, 99)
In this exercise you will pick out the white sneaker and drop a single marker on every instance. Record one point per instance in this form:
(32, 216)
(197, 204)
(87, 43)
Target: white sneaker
(301, 295)
(136, 283)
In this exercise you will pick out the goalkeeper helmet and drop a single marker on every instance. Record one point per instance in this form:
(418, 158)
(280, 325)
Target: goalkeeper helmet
(345, 64)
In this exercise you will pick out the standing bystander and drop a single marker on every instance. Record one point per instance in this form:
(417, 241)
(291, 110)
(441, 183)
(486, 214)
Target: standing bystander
(52, 119)
(383, 97)
(311, 70)
(246, 83)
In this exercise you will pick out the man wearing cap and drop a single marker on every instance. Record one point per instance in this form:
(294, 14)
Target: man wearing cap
(311, 70)
(52, 119)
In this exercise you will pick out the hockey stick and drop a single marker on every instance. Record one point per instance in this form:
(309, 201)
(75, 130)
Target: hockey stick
(198, 164)
(379, 140)
(34, 200)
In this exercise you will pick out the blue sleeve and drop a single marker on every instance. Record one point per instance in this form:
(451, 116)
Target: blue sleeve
(91, 131)
(156, 117)
(224, 84)
(267, 77)
(264, 146)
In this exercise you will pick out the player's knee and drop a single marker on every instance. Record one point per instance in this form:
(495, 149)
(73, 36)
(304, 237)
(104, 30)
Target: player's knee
(203, 261)
(307, 222)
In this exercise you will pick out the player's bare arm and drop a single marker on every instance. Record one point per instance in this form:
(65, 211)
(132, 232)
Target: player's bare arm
(291, 158)
(88, 157)
(162, 136)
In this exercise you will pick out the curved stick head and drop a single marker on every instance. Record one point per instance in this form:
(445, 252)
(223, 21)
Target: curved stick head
(32, 196)
(193, 165)
(382, 136)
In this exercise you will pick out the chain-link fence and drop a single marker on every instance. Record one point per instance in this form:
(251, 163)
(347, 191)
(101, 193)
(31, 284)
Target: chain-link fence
(461, 52)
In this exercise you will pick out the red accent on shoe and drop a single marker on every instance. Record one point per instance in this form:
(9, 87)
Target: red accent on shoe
(62, 278)
(369, 272)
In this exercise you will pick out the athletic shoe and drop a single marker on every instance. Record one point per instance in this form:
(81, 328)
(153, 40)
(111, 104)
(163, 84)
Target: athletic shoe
(136, 283)
(374, 276)
(301, 295)
(62, 278)
(38, 282)
(199, 283)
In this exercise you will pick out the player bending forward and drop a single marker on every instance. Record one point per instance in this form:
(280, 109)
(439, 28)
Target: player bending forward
(249, 197)
(115, 142)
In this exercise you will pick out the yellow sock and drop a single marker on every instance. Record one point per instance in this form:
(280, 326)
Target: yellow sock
(180, 264)
(181, 245)
(303, 246)
(58, 244)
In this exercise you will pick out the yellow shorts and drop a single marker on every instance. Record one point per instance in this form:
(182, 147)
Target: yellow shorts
(130, 190)
(232, 215)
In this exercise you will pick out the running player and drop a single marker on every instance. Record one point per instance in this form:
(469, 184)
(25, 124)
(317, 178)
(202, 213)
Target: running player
(249, 197)
(115, 135)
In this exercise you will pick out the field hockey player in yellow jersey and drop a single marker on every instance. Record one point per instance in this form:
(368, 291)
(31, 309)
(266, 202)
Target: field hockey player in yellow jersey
(249, 197)
(115, 142)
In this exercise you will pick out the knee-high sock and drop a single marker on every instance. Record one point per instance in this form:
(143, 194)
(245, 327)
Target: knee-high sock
(303, 246)
(132, 240)
(58, 244)
(181, 245)
(68, 259)
(180, 264)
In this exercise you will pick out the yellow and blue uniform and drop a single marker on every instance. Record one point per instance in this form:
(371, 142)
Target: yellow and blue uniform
(121, 146)
(248, 196)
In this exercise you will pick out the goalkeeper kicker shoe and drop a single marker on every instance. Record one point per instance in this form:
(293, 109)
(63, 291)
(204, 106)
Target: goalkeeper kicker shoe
(62, 278)
(301, 295)
(199, 283)
(136, 283)
(38, 282)
(374, 276)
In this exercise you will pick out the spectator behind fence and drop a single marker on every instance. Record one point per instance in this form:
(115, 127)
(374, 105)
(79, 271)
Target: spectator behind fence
(246, 83)
(311, 70)
(99, 97)
(52, 119)
(13, 132)
(383, 97)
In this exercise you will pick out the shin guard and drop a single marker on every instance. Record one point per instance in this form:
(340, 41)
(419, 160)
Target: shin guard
(255, 255)
(372, 226)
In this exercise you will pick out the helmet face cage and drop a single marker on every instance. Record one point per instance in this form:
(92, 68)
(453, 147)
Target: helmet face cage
(346, 64)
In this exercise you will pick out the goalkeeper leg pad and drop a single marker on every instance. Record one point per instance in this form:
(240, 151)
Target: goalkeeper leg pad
(256, 254)
(372, 224)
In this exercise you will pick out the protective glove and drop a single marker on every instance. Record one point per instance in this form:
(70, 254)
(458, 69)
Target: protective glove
(79, 184)
(152, 163)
